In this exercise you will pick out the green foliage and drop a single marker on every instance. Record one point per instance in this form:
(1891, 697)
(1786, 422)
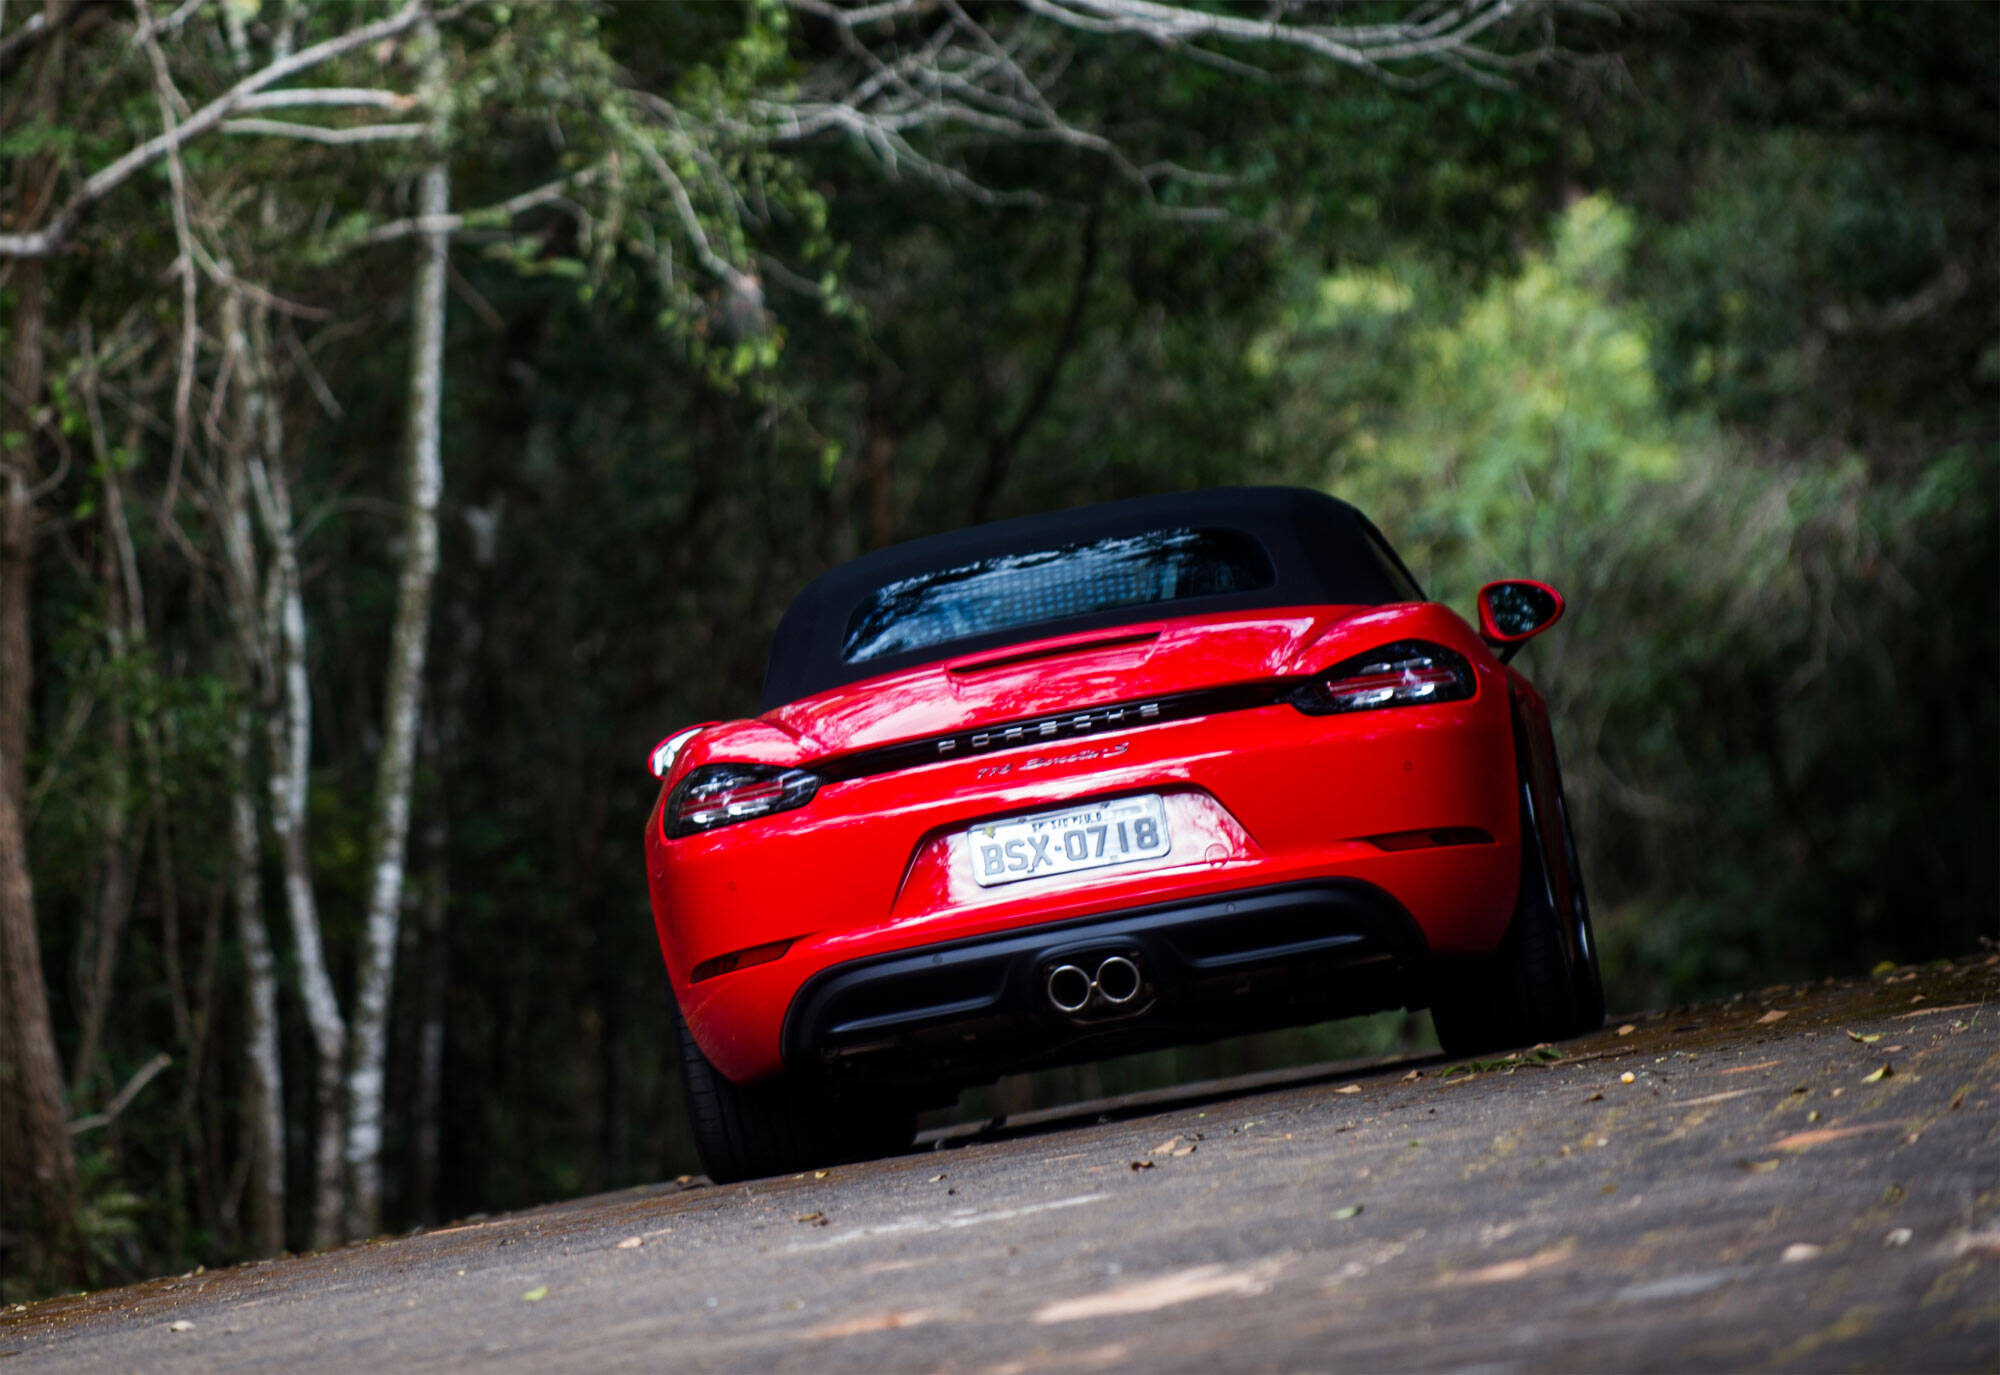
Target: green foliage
(1713, 353)
(1741, 635)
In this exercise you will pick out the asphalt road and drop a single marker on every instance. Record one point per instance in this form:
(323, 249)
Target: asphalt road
(1725, 1186)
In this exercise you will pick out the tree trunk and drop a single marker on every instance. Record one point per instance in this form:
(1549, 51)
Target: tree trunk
(427, 1094)
(37, 1164)
(270, 632)
(402, 698)
(119, 848)
(263, 1088)
(257, 469)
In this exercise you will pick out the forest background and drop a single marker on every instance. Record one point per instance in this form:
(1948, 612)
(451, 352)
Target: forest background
(411, 415)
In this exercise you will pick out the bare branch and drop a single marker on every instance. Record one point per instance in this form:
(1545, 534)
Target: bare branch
(939, 66)
(46, 240)
(12, 44)
(1364, 47)
(549, 193)
(184, 237)
(350, 97)
(319, 133)
(690, 221)
(858, 15)
(147, 1073)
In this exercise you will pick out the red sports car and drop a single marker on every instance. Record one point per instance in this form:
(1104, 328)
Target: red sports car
(1070, 786)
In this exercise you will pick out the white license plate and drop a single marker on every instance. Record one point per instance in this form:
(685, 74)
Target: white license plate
(1131, 828)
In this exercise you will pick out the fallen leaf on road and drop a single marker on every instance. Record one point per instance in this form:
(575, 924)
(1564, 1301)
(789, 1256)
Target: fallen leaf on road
(1142, 1165)
(1885, 967)
(1799, 1141)
(1627, 1029)
(1745, 1069)
(1342, 1214)
(819, 1174)
(1883, 1073)
(1958, 1099)
(1898, 1236)
(1348, 1088)
(875, 1322)
(816, 1219)
(631, 1243)
(1514, 1269)
(1412, 1076)
(1798, 1251)
(1867, 1040)
(1776, 1014)
(1173, 1146)
(1163, 1291)
(1722, 1097)
(1757, 1166)
(536, 1295)
(936, 1177)
(180, 1325)
(1986, 1243)
(1595, 1098)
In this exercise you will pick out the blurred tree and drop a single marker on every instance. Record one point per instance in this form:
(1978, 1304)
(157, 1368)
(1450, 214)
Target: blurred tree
(1655, 317)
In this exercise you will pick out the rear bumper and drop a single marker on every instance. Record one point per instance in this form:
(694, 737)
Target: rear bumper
(969, 1010)
(876, 868)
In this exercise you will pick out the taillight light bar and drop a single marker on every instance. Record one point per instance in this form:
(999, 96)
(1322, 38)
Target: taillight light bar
(718, 795)
(1405, 674)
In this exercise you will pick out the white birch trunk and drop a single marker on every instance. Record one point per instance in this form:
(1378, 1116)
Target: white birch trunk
(272, 639)
(263, 1087)
(402, 698)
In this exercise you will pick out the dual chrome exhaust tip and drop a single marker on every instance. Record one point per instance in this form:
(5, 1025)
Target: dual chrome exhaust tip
(1115, 984)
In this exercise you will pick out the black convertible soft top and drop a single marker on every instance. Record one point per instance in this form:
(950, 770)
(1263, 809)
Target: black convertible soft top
(1323, 552)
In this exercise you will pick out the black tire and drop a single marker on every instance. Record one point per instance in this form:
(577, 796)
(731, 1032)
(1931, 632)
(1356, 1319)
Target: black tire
(780, 1125)
(1589, 974)
(1526, 991)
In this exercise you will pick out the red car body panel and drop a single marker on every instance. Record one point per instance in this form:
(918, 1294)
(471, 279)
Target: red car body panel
(1257, 796)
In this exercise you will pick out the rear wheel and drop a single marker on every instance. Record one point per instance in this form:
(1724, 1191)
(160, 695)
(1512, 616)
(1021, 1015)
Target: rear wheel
(1527, 990)
(1589, 976)
(781, 1125)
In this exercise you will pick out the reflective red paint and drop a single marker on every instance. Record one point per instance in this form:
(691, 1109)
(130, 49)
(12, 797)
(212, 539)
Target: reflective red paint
(1257, 796)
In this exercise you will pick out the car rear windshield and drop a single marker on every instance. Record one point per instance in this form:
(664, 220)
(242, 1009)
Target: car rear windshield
(1007, 592)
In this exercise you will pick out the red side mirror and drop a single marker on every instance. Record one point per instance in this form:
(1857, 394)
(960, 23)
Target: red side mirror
(1514, 611)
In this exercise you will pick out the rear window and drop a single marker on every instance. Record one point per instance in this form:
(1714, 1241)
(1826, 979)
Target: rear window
(1017, 591)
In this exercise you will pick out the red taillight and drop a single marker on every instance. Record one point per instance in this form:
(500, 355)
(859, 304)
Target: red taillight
(1408, 673)
(723, 794)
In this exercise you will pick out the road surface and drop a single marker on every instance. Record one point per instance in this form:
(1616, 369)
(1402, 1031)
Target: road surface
(1735, 1185)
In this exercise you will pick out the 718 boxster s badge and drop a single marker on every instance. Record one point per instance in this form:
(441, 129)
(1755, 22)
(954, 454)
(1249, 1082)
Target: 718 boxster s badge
(1070, 786)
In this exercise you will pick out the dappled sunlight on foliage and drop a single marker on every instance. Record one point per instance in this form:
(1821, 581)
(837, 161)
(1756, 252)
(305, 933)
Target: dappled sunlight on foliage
(1753, 639)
